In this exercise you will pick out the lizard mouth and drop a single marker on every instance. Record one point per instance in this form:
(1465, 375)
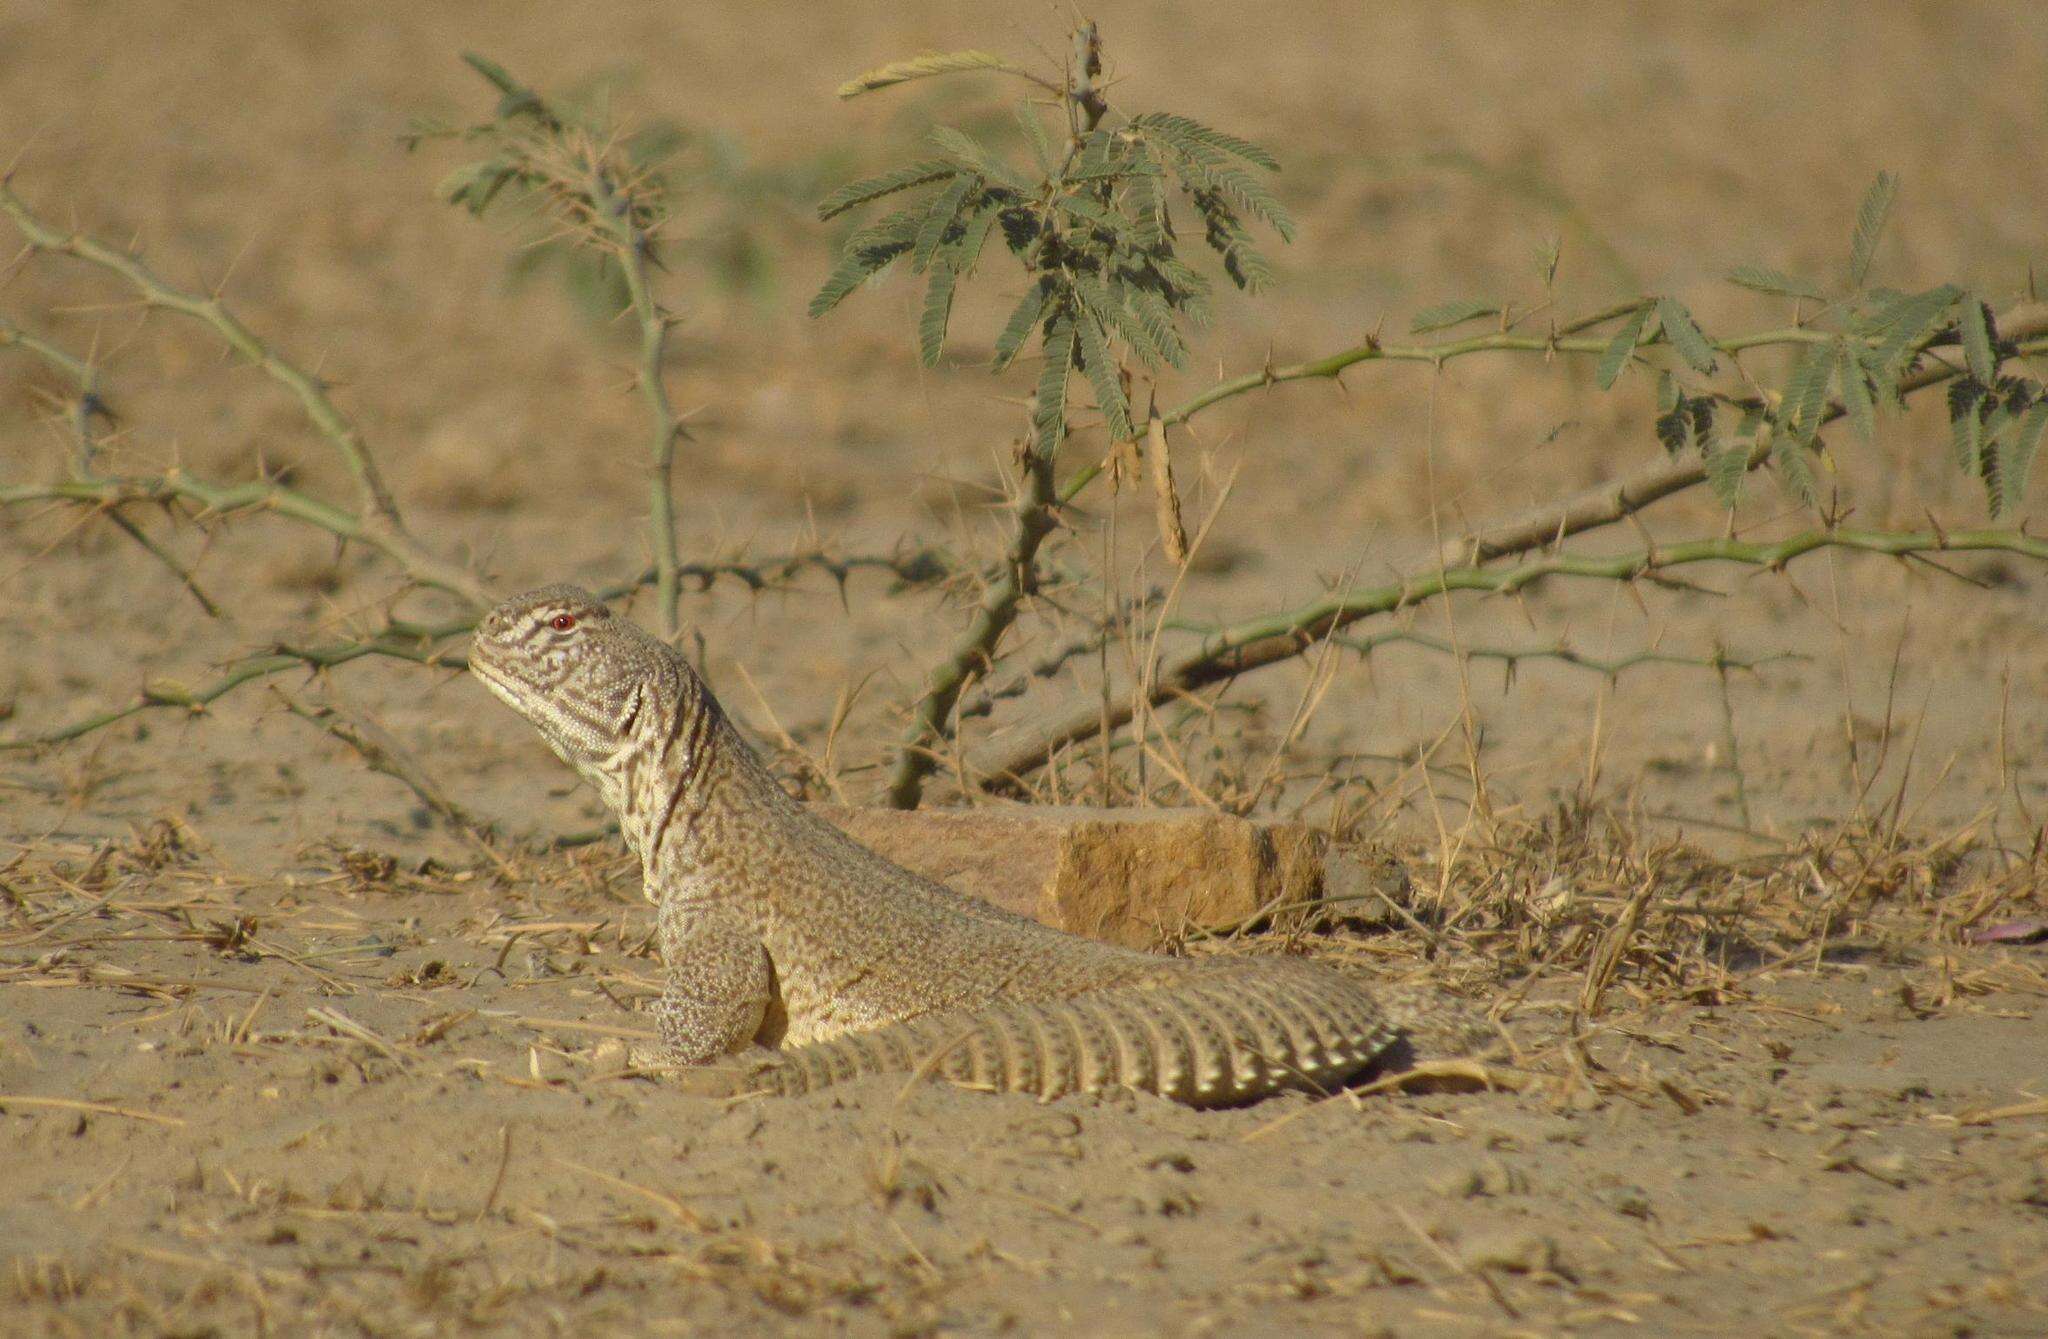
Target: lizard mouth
(504, 685)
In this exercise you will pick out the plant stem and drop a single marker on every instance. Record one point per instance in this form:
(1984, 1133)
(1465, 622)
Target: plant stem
(1034, 517)
(630, 243)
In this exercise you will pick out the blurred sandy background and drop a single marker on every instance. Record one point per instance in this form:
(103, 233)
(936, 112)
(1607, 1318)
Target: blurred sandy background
(1430, 152)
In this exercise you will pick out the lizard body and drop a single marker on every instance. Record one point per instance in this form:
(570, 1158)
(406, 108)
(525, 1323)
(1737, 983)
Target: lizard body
(814, 959)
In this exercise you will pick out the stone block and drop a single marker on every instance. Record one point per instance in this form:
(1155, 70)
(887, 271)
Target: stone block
(1140, 877)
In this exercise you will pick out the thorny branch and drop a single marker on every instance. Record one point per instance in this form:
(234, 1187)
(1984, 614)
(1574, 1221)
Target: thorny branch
(378, 524)
(1053, 661)
(431, 644)
(1608, 504)
(1251, 645)
(1563, 653)
(616, 219)
(376, 521)
(422, 646)
(84, 413)
(399, 639)
(2027, 326)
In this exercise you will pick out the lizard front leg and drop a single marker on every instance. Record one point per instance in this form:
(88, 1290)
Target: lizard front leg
(719, 984)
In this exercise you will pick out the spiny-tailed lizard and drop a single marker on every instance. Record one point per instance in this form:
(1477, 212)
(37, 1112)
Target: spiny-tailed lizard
(812, 959)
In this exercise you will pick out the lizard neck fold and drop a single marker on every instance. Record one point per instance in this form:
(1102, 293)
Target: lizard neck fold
(688, 783)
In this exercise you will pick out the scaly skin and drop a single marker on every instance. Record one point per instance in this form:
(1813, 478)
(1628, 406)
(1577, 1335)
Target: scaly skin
(780, 932)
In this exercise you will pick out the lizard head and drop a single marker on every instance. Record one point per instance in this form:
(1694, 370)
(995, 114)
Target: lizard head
(560, 658)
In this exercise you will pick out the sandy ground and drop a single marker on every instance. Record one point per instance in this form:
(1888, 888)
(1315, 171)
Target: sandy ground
(241, 1163)
(349, 1099)
(355, 1100)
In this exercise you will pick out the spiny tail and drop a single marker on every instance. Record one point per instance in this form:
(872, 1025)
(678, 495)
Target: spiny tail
(1208, 1036)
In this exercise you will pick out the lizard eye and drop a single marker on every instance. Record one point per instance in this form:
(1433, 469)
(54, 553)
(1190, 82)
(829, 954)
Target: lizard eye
(562, 622)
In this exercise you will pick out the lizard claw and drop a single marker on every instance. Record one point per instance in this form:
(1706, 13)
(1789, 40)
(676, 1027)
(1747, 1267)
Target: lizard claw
(724, 1076)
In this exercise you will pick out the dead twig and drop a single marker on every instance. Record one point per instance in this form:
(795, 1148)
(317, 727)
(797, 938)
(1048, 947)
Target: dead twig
(96, 1108)
(381, 751)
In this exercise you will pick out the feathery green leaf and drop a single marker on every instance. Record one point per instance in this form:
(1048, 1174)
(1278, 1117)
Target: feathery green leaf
(493, 73)
(475, 185)
(1099, 366)
(1116, 170)
(1049, 404)
(1227, 237)
(1104, 305)
(1998, 421)
(1157, 317)
(2016, 453)
(1097, 158)
(1035, 134)
(1806, 393)
(1966, 422)
(1884, 389)
(981, 221)
(1619, 349)
(1795, 469)
(1145, 197)
(1668, 397)
(1907, 322)
(1023, 320)
(858, 193)
(938, 217)
(1180, 131)
(1021, 230)
(518, 99)
(1760, 279)
(1856, 397)
(1685, 335)
(1726, 468)
(921, 67)
(1250, 195)
(865, 253)
(1979, 351)
(2006, 409)
(1259, 202)
(1099, 215)
(1191, 288)
(1705, 415)
(1444, 315)
(976, 159)
(1870, 221)
(938, 311)
(1674, 429)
